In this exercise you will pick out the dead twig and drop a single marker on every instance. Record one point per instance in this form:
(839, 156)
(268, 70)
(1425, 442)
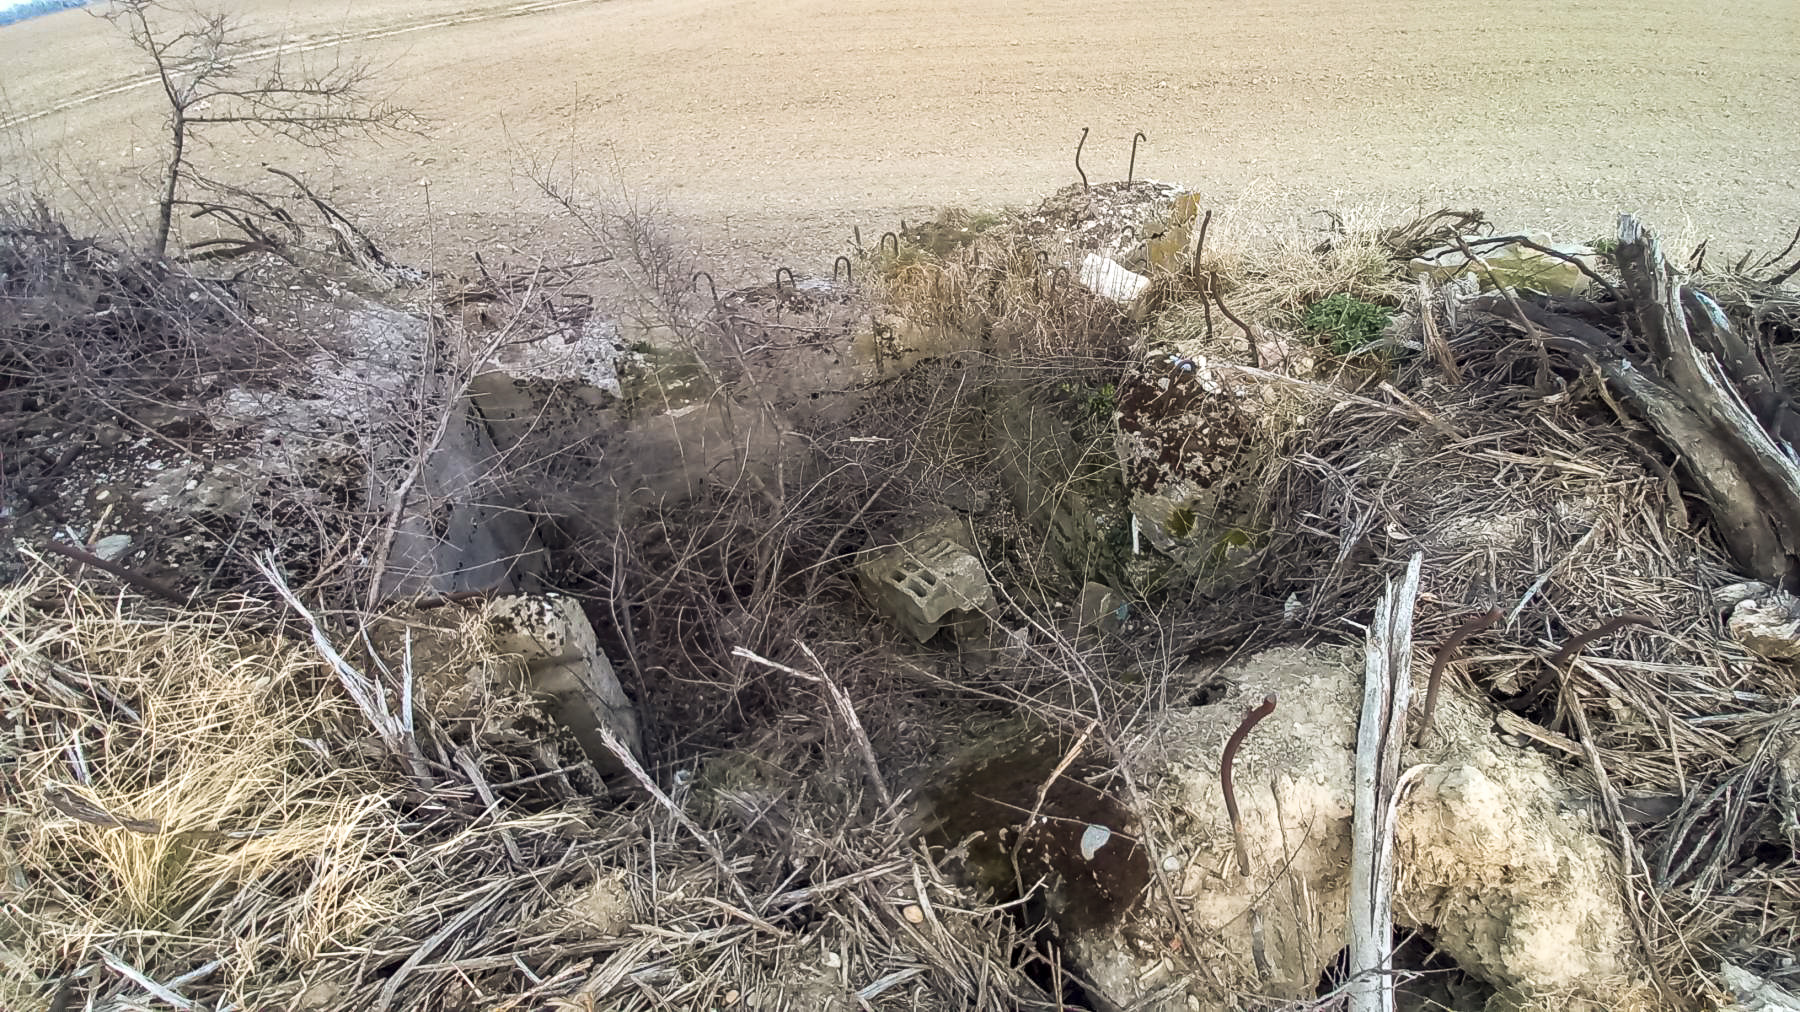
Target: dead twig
(845, 709)
(136, 580)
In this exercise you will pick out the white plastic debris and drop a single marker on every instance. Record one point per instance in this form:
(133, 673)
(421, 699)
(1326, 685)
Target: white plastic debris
(1106, 278)
(1092, 839)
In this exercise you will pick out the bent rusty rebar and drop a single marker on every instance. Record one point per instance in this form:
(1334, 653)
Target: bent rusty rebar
(1078, 146)
(1131, 169)
(695, 281)
(1441, 660)
(1232, 744)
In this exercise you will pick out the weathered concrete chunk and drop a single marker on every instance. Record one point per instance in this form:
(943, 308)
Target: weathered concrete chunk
(1489, 860)
(565, 667)
(532, 649)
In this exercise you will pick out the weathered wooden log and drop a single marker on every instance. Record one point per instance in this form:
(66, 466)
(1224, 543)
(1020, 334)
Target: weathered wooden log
(1735, 456)
(1707, 391)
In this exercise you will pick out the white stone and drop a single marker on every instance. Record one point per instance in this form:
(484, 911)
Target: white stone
(113, 547)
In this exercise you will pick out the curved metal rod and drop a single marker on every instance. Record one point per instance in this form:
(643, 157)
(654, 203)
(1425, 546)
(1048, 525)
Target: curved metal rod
(1057, 277)
(882, 243)
(1131, 169)
(1130, 230)
(845, 263)
(1043, 257)
(709, 284)
(1078, 145)
(779, 271)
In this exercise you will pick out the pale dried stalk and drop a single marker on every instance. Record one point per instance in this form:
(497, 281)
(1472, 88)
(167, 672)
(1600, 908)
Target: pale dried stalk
(626, 759)
(1379, 735)
(846, 713)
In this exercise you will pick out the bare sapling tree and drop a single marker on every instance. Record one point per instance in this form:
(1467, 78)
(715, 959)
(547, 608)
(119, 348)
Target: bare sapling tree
(215, 72)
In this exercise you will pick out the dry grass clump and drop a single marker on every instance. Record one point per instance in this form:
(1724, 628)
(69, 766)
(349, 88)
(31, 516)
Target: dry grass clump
(1276, 283)
(187, 796)
(195, 813)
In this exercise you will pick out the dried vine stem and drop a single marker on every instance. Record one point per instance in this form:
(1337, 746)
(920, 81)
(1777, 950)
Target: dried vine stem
(1232, 744)
(1441, 660)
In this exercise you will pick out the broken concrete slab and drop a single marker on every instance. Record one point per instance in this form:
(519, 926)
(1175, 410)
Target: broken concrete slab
(565, 667)
(1489, 859)
(1511, 264)
(479, 668)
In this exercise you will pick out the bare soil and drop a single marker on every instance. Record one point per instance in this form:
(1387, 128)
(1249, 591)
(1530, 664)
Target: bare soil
(768, 128)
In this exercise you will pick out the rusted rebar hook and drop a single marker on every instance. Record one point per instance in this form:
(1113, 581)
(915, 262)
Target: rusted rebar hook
(843, 262)
(1078, 171)
(881, 244)
(1131, 169)
(695, 283)
(792, 289)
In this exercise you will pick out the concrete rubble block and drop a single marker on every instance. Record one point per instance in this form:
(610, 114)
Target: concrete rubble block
(1107, 279)
(1168, 249)
(1489, 858)
(1768, 624)
(565, 668)
(341, 421)
(1100, 609)
(928, 581)
(1511, 265)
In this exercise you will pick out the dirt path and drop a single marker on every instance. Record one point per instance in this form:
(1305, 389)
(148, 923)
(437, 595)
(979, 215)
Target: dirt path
(769, 127)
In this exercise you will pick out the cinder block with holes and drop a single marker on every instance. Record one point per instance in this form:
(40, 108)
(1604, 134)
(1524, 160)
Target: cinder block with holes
(929, 581)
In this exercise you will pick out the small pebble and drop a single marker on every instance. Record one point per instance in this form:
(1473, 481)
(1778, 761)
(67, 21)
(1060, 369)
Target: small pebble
(913, 914)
